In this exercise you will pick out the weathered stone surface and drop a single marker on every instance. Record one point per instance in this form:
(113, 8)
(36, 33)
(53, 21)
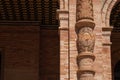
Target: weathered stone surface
(102, 50)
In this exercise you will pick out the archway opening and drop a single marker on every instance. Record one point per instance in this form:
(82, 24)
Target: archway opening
(115, 39)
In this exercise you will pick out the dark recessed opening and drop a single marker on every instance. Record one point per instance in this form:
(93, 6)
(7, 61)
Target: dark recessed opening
(115, 17)
(0, 66)
(115, 38)
(117, 71)
(49, 41)
(49, 54)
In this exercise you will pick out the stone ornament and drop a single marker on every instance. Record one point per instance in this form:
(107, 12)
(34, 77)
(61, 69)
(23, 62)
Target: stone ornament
(86, 40)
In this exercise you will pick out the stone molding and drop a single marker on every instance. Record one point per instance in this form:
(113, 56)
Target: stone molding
(106, 10)
(107, 44)
(62, 14)
(106, 36)
(84, 23)
(63, 28)
(80, 72)
(107, 28)
(85, 54)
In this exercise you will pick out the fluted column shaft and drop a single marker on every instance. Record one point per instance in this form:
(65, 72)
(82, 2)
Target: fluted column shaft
(85, 39)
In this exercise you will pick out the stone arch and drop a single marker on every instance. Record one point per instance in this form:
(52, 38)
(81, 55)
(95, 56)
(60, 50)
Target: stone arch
(107, 35)
(106, 11)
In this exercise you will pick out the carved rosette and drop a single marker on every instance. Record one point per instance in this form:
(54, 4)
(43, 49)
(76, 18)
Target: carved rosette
(85, 40)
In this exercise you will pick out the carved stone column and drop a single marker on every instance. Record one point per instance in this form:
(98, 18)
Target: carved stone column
(85, 40)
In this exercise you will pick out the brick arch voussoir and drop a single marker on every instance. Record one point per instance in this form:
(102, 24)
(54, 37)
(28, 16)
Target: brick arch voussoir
(106, 11)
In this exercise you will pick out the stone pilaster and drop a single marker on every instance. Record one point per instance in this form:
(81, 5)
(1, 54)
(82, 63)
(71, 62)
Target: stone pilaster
(85, 40)
(106, 33)
(63, 33)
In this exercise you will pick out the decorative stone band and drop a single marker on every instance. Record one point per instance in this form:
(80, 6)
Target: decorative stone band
(80, 72)
(84, 23)
(107, 44)
(107, 28)
(85, 74)
(85, 55)
(85, 63)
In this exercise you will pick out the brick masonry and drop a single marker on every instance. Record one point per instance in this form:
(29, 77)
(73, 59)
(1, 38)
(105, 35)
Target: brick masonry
(30, 52)
(102, 31)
